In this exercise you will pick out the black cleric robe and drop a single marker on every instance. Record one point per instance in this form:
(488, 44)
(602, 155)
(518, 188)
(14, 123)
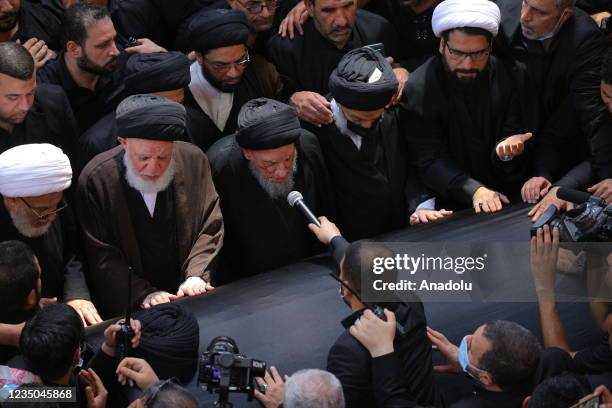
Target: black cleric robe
(374, 186)
(453, 132)
(262, 233)
(59, 254)
(560, 95)
(39, 22)
(260, 80)
(103, 136)
(306, 62)
(111, 242)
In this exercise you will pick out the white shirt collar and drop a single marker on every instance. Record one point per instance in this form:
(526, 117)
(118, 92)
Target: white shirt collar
(341, 124)
(216, 104)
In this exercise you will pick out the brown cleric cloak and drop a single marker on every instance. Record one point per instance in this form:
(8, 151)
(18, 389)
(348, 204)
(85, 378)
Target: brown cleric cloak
(110, 238)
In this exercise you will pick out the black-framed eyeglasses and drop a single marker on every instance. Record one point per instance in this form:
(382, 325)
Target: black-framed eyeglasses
(226, 66)
(257, 7)
(474, 55)
(156, 388)
(44, 213)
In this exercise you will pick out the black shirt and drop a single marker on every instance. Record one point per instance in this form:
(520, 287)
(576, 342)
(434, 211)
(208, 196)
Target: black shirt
(88, 106)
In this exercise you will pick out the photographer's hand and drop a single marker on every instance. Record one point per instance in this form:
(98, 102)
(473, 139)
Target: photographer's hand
(448, 350)
(326, 232)
(109, 346)
(534, 188)
(136, 371)
(275, 389)
(549, 199)
(602, 189)
(374, 333)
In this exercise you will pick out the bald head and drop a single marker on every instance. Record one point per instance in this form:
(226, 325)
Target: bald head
(313, 389)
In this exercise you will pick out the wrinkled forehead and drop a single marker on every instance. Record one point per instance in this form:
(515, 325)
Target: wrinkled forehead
(149, 147)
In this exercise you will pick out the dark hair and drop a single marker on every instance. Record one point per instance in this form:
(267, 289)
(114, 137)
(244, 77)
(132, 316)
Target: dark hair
(470, 31)
(606, 66)
(561, 391)
(168, 394)
(16, 61)
(78, 18)
(514, 355)
(359, 259)
(21, 404)
(48, 341)
(18, 276)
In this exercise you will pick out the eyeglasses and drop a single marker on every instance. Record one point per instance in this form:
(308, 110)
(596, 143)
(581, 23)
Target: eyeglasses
(257, 7)
(155, 389)
(226, 66)
(44, 213)
(474, 55)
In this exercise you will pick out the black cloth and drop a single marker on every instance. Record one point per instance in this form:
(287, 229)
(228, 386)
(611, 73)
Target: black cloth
(156, 72)
(8, 352)
(151, 117)
(157, 20)
(294, 58)
(481, 398)
(59, 254)
(260, 233)
(50, 120)
(103, 136)
(595, 6)
(88, 106)
(352, 364)
(595, 360)
(453, 132)
(38, 22)
(254, 84)
(170, 340)
(350, 84)
(578, 178)
(156, 237)
(210, 29)
(560, 95)
(415, 32)
(374, 187)
(267, 124)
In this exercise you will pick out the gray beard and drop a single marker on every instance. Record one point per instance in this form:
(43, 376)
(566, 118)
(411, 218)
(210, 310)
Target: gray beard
(148, 187)
(275, 190)
(24, 227)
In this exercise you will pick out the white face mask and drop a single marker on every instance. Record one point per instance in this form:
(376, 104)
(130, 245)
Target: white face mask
(550, 34)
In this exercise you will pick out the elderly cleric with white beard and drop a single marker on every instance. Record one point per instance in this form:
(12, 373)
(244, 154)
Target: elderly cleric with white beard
(33, 178)
(149, 204)
(253, 171)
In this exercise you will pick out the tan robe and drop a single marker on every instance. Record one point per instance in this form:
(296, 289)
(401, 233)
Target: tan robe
(110, 240)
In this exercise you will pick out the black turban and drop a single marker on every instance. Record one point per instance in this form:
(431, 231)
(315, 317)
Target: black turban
(150, 117)
(169, 341)
(363, 80)
(267, 124)
(210, 29)
(156, 72)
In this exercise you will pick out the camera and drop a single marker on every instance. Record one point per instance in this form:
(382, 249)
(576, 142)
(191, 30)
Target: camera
(590, 221)
(223, 370)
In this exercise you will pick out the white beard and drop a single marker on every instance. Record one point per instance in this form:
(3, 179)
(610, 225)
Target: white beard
(25, 228)
(144, 186)
(275, 190)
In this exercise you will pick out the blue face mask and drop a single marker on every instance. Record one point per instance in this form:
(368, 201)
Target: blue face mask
(550, 34)
(464, 361)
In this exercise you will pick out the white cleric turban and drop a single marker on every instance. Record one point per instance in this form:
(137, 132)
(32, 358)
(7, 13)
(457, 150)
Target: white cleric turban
(33, 170)
(452, 14)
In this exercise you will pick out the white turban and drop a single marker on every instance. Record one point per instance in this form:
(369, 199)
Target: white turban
(33, 170)
(452, 14)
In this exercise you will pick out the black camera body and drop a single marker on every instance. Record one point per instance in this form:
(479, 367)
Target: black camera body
(223, 369)
(590, 221)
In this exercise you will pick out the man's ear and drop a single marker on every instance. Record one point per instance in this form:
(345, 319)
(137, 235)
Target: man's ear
(442, 44)
(486, 378)
(122, 142)
(31, 300)
(247, 153)
(199, 57)
(10, 202)
(526, 401)
(310, 7)
(73, 49)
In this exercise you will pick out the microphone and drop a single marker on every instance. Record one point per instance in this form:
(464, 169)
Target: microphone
(578, 197)
(295, 199)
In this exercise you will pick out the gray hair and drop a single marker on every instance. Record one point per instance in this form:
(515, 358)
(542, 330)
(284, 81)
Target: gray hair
(313, 388)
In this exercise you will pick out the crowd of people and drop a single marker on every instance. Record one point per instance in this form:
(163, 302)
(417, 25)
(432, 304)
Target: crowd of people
(148, 147)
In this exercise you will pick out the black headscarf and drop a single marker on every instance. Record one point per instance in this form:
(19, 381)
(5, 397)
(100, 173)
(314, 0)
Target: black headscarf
(363, 80)
(169, 341)
(267, 124)
(210, 29)
(150, 117)
(156, 72)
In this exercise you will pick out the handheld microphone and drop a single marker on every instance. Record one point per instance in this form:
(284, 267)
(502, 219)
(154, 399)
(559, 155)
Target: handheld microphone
(295, 199)
(578, 197)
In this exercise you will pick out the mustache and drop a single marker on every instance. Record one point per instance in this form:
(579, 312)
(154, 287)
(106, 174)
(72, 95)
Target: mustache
(466, 71)
(340, 29)
(6, 15)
